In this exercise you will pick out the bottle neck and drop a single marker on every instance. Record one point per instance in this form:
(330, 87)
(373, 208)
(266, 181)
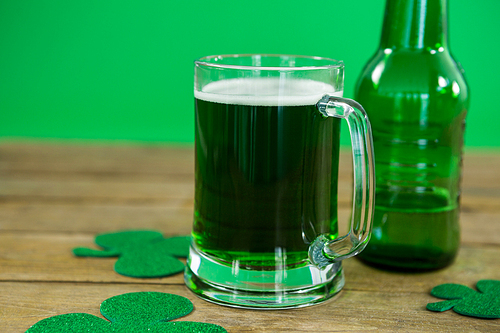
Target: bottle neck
(415, 24)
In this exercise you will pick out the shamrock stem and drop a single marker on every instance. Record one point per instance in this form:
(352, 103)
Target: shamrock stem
(86, 252)
(442, 306)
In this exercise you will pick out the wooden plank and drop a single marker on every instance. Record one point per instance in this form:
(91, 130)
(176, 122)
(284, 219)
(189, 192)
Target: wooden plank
(114, 173)
(102, 190)
(23, 304)
(110, 160)
(154, 174)
(472, 264)
(160, 161)
(170, 193)
(174, 217)
(480, 226)
(48, 257)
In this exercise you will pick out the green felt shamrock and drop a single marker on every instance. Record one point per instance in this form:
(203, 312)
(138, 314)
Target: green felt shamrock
(142, 253)
(133, 312)
(484, 303)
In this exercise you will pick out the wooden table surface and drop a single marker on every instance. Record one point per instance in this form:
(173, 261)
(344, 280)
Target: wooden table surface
(57, 196)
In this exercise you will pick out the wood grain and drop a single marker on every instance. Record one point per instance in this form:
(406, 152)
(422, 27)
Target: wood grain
(48, 258)
(57, 196)
(350, 311)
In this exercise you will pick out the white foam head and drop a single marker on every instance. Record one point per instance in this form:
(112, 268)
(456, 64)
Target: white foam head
(266, 92)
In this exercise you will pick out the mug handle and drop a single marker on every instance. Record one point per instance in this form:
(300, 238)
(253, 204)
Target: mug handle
(324, 250)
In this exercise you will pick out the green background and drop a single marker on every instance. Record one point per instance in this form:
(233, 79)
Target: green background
(122, 70)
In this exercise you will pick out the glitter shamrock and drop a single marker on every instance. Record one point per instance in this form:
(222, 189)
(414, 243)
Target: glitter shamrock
(142, 253)
(484, 303)
(140, 312)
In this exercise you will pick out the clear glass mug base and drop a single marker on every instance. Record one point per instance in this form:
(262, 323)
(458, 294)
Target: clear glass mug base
(256, 289)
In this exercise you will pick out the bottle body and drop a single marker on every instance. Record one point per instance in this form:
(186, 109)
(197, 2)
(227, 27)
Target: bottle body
(416, 100)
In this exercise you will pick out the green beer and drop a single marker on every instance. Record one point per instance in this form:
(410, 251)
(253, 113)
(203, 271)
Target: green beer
(266, 172)
(266, 183)
(417, 99)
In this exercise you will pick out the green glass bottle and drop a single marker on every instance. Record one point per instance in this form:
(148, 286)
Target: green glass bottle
(416, 98)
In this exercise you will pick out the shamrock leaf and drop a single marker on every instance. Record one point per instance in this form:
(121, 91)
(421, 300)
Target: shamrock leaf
(484, 303)
(71, 322)
(142, 253)
(133, 312)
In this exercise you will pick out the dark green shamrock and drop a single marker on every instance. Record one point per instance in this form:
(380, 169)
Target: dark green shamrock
(484, 303)
(140, 312)
(142, 253)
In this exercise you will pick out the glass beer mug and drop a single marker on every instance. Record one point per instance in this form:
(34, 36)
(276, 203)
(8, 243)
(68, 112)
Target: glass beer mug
(265, 231)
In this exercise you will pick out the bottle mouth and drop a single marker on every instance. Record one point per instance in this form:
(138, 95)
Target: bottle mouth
(269, 62)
